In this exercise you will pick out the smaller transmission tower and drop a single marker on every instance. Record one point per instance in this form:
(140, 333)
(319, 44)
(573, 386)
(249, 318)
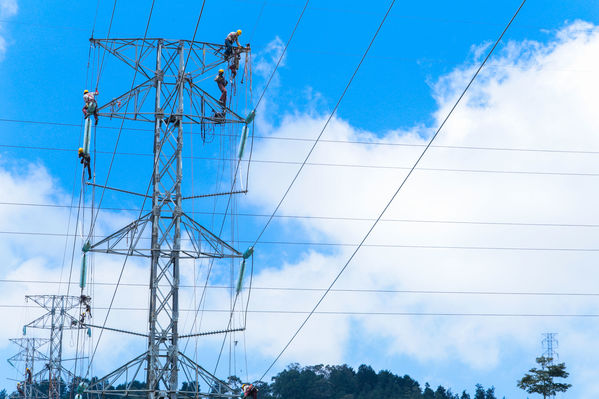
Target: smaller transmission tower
(550, 344)
(56, 320)
(26, 358)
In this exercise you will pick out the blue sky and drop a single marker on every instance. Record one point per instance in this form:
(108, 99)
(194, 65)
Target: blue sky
(422, 57)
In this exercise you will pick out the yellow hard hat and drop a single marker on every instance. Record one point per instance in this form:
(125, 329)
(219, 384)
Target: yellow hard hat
(238, 32)
(243, 386)
(221, 70)
(80, 150)
(85, 91)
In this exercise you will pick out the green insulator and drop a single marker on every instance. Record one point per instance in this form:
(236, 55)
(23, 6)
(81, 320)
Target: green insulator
(244, 136)
(87, 135)
(250, 118)
(83, 276)
(89, 332)
(24, 330)
(241, 272)
(86, 247)
(248, 252)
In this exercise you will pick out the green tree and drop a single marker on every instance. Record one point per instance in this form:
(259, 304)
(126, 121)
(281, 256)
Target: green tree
(541, 380)
(428, 393)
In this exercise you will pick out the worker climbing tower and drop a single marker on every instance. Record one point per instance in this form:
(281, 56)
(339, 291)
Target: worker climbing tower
(28, 361)
(167, 94)
(56, 319)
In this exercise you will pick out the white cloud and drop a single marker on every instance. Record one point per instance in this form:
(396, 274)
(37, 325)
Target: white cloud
(533, 95)
(8, 9)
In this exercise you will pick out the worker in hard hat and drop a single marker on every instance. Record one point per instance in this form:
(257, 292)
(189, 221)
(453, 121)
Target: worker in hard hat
(91, 106)
(20, 389)
(86, 161)
(234, 64)
(28, 375)
(249, 391)
(222, 86)
(232, 38)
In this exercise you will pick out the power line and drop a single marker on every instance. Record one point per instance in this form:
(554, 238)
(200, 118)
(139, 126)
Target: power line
(352, 313)
(353, 290)
(396, 192)
(337, 218)
(362, 142)
(343, 165)
(351, 79)
(361, 244)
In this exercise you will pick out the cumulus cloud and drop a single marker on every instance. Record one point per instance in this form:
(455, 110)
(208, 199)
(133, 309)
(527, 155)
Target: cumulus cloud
(533, 95)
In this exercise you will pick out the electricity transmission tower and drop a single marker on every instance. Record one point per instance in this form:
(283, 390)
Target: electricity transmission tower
(26, 358)
(549, 345)
(57, 319)
(167, 72)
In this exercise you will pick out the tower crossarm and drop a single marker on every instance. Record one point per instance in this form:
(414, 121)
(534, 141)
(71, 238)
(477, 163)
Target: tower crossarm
(46, 322)
(136, 53)
(133, 105)
(197, 241)
(47, 301)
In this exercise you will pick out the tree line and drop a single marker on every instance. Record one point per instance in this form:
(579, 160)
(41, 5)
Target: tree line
(317, 382)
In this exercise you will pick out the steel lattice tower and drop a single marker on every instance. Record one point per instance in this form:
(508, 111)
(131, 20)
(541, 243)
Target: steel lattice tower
(57, 319)
(168, 70)
(549, 346)
(28, 355)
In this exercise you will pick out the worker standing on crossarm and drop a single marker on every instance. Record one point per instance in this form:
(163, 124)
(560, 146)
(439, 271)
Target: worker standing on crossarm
(91, 106)
(232, 38)
(222, 86)
(86, 161)
(29, 376)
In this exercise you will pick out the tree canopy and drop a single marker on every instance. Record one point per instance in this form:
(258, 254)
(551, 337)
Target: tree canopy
(541, 380)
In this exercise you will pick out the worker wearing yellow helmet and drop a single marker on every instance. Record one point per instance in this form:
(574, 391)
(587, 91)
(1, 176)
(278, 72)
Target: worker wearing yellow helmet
(91, 106)
(222, 86)
(232, 38)
(86, 162)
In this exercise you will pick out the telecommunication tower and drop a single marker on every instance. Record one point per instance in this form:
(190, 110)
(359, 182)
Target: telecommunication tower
(168, 96)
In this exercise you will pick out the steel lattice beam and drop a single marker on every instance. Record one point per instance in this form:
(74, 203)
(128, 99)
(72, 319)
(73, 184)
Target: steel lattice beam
(28, 355)
(57, 319)
(169, 74)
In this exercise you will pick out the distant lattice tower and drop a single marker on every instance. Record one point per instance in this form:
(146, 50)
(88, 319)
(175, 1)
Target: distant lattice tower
(26, 359)
(550, 345)
(57, 319)
(168, 75)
